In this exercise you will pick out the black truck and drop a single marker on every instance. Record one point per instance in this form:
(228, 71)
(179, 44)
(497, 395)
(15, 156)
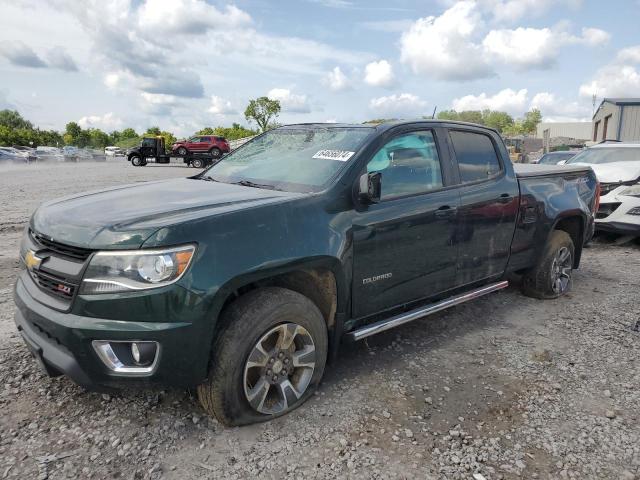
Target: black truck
(245, 279)
(152, 149)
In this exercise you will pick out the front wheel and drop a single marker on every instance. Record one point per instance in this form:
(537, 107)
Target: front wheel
(268, 357)
(182, 151)
(136, 161)
(552, 276)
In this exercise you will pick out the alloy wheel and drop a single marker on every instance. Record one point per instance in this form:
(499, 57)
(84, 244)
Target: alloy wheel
(279, 368)
(561, 270)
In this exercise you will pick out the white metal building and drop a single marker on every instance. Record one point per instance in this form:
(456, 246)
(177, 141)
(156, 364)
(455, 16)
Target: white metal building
(617, 119)
(577, 130)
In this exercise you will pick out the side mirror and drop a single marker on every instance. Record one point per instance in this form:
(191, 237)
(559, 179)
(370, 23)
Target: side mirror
(370, 187)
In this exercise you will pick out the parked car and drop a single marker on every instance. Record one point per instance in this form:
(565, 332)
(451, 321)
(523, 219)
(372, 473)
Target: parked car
(9, 154)
(216, 146)
(113, 151)
(553, 158)
(615, 164)
(619, 211)
(29, 152)
(246, 278)
(45, 154)
(70, 153)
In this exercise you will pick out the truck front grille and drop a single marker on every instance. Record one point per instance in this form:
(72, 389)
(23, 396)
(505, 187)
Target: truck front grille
(54, 285)
(60, 248)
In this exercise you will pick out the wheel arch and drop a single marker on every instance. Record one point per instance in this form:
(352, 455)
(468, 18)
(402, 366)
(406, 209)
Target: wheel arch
(321, 279)
(573, 223)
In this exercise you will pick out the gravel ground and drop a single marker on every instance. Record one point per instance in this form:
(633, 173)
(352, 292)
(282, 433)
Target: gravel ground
(504, 387)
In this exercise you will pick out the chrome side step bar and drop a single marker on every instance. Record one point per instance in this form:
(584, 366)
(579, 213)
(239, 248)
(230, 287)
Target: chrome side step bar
(407, 317)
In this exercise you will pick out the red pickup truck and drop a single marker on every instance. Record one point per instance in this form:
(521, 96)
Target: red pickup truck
(215, 145)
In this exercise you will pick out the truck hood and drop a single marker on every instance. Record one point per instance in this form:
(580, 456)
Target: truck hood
(125, 216)
(615, 172)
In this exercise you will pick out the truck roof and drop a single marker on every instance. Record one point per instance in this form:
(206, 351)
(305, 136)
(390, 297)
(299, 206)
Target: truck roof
(387, 125)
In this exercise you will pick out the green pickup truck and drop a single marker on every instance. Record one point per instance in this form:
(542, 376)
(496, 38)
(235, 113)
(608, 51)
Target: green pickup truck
(245, 279)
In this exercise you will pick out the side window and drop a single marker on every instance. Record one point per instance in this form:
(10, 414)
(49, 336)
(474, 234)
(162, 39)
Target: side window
(148, 142)
(194, 140)
(476, 155)
(409, 165)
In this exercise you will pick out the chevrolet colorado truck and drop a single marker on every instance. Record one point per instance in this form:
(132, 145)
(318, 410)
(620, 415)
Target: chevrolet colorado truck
(244, 279)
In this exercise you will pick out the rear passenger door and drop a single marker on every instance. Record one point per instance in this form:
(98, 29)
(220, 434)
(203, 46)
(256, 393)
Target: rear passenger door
(489, 198)
(403, 247)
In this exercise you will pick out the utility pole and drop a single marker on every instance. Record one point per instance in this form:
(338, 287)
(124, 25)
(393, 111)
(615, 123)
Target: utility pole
(593, 104)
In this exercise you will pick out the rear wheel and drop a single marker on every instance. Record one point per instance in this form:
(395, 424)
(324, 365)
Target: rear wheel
(215, 152)
(267, 359)
(552, 277)
(197, 163)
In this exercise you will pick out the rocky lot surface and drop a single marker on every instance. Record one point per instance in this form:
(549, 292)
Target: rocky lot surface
(504, 387)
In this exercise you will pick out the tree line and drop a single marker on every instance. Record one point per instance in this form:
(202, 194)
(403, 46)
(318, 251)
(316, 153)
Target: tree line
(263, 111)
(16, 130)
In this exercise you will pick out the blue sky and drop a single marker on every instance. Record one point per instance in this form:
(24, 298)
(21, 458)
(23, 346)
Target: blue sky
(185, 64)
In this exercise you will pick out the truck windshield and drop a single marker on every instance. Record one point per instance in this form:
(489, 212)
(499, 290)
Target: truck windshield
(303, 159)
(607, 155)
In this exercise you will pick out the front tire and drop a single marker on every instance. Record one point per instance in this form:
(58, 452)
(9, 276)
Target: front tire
(552, 277)
(267, 359)
(182, 151)
(136, 161)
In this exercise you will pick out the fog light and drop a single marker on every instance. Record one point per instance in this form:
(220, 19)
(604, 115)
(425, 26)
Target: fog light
(143, 353)
(128, 357)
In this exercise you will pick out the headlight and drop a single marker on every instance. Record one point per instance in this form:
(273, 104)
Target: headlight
(633, 191)
(126, 271)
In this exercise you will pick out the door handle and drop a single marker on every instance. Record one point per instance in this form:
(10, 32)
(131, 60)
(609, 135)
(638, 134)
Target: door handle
(504, 198)
(446, 211)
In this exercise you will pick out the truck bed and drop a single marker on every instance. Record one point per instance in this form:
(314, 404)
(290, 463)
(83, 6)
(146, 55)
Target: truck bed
(524, 170)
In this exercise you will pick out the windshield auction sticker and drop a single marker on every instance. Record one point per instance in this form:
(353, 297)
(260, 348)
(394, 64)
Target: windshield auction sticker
(339, 155)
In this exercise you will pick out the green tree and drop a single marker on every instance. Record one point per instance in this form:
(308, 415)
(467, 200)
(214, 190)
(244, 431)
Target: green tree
(12, 119)
(97, 138)
(471, 116)
(153, 131)
(263, 111)
(496, 119)
(206, 131)
(128, 133)
(531, 120)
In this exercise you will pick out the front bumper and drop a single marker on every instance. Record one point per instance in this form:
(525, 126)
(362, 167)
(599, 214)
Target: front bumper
(62, 342)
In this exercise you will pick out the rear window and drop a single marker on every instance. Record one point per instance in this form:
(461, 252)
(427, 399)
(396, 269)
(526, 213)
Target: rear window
(476, 155)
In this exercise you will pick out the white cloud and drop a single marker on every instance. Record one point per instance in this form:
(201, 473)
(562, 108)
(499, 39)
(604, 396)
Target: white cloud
(108, 121)
(513, 10)
(443, 47)
(289, 101)
(458, 46)
(620, 78)
(112, 80)
(507, 100)
(159, 98)
(190, 17)
(336, 80)
(554, 108)
(379, 74)
(404, 104)
(522, 47)
(220, 106)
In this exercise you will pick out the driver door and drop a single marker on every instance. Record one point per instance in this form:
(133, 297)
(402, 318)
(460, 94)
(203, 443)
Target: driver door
(404, 248)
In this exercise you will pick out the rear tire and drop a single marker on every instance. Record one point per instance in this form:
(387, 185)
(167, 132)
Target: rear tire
(197, 163)
(267, 359)
(552, 277)
(215, 152)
